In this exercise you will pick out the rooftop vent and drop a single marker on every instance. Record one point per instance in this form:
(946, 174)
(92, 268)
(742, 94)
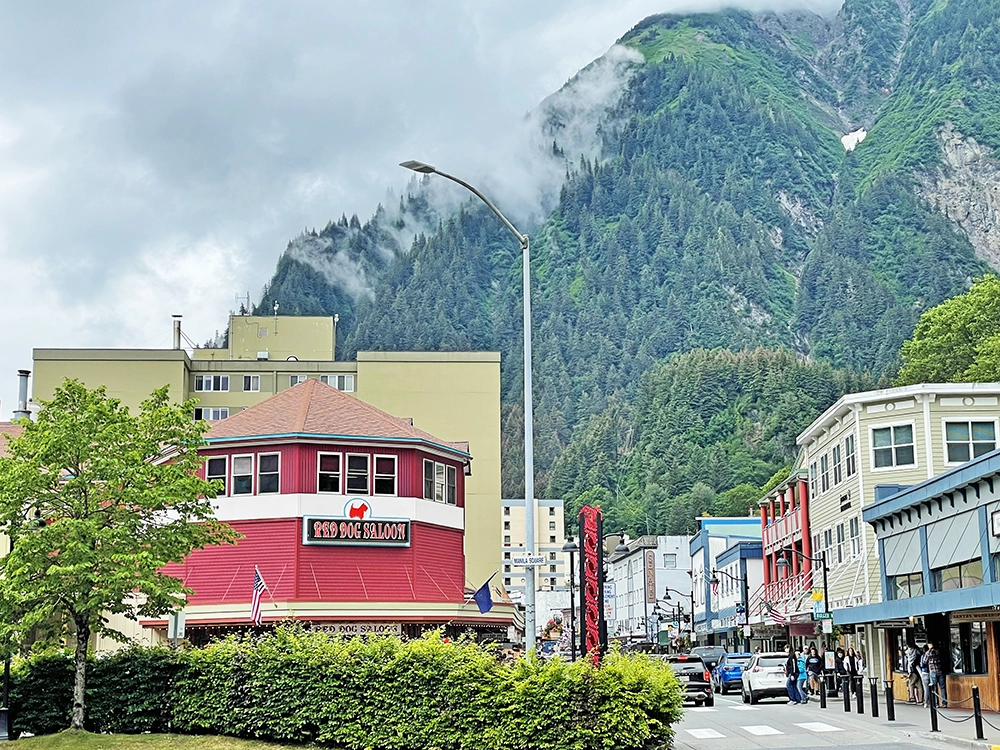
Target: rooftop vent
(262, 355)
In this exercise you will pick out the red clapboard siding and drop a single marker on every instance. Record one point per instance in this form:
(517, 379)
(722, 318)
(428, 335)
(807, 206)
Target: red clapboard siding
(431, 569)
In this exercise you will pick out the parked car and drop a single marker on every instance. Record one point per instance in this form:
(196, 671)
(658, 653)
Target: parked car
(764, 677)
(693, 676)
(709, 654)
(728, 673)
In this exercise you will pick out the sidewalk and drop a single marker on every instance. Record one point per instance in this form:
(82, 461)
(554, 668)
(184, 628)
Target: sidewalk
(956, 726)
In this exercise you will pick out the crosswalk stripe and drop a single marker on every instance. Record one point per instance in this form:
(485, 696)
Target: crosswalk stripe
(703, 709)
(744, 708)
(761, 729)
(704, 734)
(819, 726)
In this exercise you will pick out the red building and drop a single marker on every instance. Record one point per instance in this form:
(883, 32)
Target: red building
(354, 518)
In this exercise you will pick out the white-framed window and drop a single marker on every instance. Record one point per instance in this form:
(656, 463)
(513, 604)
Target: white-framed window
(506, 555)
(385, 475)
(968, 439)
(451, 491)
(838, 465)
(439, 483)
(812, 480)
(211, 382)
(506, 569)
(828, 539)
(328, 473)
(850, 460)
(251, 383)
(506, 582)
(357, 473)
(506, 525)
(215, 470)
(429, 481)
(824, 472)
(552, 525)
(552, 569)
(840, 542)
(243, 475)
(268, 473)
(552, 540)
(340, 382)
(506, 510)
(552, 511)
(669, 560)
(211, 413)
(855, 531)
(296, 379)
(816, 540)
(552, 555)
(506, 539)
(893, 446)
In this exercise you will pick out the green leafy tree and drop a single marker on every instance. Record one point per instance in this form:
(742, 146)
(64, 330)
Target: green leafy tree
(958, 340)
(96, 501)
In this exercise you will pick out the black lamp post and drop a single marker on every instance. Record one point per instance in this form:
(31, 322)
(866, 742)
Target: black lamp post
(782, 563)
(572, 548)
(680, 611)
(744, 599)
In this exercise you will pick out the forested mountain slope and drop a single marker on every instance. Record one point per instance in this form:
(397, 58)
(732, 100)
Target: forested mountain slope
(713, 206)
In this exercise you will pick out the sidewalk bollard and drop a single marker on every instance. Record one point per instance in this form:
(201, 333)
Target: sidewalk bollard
(977, 711)
(822, 693)
(859, 693)
(933, 704)
(845, 687)
(873, 682)
(890, 705)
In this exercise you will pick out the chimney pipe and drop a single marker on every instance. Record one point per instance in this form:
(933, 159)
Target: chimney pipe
(177, 331)
(21, 412)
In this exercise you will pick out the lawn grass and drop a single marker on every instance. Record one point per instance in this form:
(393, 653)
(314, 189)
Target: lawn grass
(70, 740)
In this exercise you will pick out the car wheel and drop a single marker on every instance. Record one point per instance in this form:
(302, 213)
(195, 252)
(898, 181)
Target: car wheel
(753, 697)
(723, 689)
(710, 700)
(743, 693)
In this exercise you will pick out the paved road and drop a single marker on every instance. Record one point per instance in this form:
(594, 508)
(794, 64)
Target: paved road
(731, 725)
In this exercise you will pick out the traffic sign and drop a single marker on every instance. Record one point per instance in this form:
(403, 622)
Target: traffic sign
(823, 615)
(526, 561)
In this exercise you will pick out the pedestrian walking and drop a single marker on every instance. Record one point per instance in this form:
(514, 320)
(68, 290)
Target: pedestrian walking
(915, 693)
(852, 667)
(924, 675)
(935, 677)
(814, 669)
(803, 695)
(792, 676)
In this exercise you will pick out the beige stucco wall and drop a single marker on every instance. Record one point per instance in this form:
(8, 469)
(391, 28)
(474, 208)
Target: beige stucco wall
(129, 374)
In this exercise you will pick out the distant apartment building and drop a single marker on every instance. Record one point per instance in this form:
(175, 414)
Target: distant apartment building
(453, 395)
(550, 536)
(714, 538)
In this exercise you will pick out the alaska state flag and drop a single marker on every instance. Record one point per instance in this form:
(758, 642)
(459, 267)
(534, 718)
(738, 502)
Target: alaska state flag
(483, 597)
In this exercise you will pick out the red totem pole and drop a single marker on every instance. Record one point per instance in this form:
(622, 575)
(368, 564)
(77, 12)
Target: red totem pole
(593, 628)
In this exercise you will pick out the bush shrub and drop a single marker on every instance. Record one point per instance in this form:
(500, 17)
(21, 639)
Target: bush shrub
(297, 686)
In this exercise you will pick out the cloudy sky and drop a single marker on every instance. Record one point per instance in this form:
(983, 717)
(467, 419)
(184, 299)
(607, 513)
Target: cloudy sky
(156, 157)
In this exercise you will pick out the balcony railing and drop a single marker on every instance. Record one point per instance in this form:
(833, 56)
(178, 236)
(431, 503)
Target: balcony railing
(783, 594)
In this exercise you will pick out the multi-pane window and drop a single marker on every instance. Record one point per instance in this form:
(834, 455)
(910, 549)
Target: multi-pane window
(816, 547)
(893, 446)
(824, 472)
(451, 494)
(552, 525)
(840, 542)
(439, 483)
(850, 460)
(267, 473)
(385, 475)
(669, 560)
(961, 576)
(855, 529)
(838, 466)
(211, 382)
(242, 475)
(329, 472)
(828, 539)
(429, 480)
(251, 383)
(552, 568)
(552, 555)
(215, 470)
(211, 413)
(357, 474)
(906, 586)
(340, 382)
(968, 440)
(812, 480)
(296, 379)
(967, 653)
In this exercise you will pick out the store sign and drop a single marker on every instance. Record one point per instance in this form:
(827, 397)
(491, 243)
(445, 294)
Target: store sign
(650, 568)
(361, 628)
(976, 615)
(358, 533)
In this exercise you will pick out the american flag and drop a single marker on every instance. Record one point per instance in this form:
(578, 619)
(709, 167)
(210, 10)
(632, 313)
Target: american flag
(259, 587)
(778, 618)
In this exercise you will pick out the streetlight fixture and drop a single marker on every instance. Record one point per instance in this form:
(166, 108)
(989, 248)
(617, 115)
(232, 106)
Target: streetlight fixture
(529, 462)
(744, 600)
(680, 610)
(782, 564)
(572, 548)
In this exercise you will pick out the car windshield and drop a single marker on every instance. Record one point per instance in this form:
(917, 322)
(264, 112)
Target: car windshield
(771, 661)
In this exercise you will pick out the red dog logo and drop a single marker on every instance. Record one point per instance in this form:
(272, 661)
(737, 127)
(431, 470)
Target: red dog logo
(358, 511)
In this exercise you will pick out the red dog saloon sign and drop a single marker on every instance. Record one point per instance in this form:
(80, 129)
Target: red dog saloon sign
(356, 528)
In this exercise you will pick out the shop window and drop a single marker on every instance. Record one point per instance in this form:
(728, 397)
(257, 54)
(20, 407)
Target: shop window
(385, 475)
(968, 440)
(966, 651)
(906, 586)
(961, 576)
(329, 472)
(268, 473)
(357, 474)
(242, 475)
(893, 446)
(215, 470)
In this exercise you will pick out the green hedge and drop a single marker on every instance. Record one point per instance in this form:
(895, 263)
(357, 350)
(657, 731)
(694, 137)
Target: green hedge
(306, 687)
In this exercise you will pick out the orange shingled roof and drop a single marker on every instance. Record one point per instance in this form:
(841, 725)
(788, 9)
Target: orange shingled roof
(315, 408)
(10, 429)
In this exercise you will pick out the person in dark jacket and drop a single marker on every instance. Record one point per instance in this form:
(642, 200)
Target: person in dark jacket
(792, 676)
(814, 669)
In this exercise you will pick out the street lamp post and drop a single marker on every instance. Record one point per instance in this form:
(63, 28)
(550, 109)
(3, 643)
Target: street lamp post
(666, 598)
(572, 548)
(744, 600)
(782, 563)
(529, 464)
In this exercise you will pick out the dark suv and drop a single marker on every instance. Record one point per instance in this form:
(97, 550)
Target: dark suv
(693, 676)
(709, 654)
